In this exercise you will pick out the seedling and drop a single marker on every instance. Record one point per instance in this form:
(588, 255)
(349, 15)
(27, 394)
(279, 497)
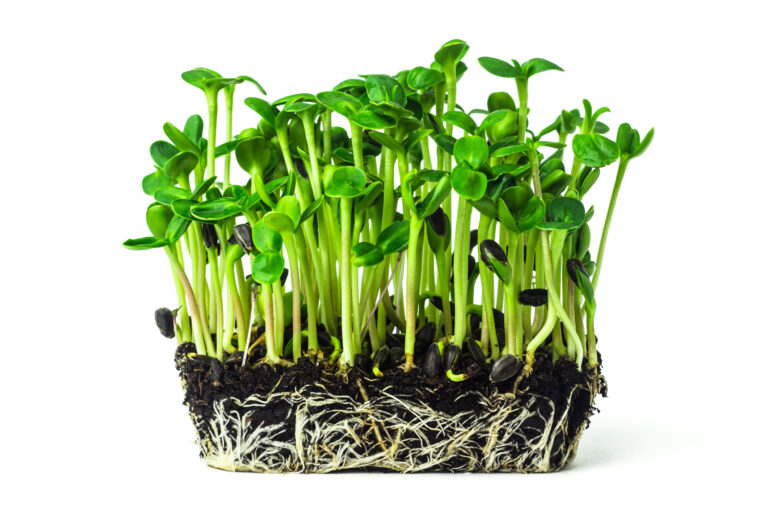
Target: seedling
(343, 220)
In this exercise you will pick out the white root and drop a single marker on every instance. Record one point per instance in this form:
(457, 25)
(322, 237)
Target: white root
(389, 432)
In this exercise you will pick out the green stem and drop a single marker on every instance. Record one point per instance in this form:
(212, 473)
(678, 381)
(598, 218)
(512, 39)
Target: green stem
(279, 317)
(234, 253)
(211, 97)
(608, 216)
(591, 341)
(194, 312)
(411, 288)
(309, 293)
(346, 281)
(293, 265)
(229, 95)
(460, 272)
(522, 111)
(269, 324)
(219, 308)
(445, 287)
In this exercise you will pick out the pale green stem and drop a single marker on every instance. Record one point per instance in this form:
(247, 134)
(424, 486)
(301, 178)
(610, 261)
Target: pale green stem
(608, 216)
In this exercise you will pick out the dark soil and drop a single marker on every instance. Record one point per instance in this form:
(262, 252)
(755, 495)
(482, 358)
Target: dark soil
(207, 381)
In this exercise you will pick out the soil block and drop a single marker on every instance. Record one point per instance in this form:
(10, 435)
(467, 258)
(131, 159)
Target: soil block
(309, 418)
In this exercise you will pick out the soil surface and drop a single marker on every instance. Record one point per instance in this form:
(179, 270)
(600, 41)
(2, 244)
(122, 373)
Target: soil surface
(207, 381)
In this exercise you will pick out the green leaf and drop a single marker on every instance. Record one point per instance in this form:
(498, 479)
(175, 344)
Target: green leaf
(587, 178)
(499, 67)
(346, 181)
(350, 83)
(520, 210)
(166, 195)
(394, 238)
(203, 188)
(158, 217)
(180, 165)
(193, 129)
(267, 267)
(434, 198)
(254, 155)
(415, 137)
(471, 151)
(372, 119)
(389, 142)
(292, 98)
(451, 53)
(510, 150)
(550, 144)
(311, 209)
(627, 139)
(534, 66)
(263, 108)
(154, 181)
(290, 207)
(516, 198)
(161, 151)
(486, 206)
(582, 241)
(510, 169)
(340, 102)
(279, 222)
(384, 89)
(227, 147)
(246, 78)
(460, 120)
(181, 207)
(468, 183)
(492, 119)
(366, 254)
(176, 229)
(199, 77)
(555, 182)
(595, 150)
(147, 242)
(266, 239)
(420, 78)
(238, 193)
(640, 149)
(445, 142)
(180, 140)
(369, 196)
(564, 213)
(215, 210)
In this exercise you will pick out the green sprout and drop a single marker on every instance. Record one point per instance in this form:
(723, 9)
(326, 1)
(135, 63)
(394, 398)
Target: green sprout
(340, 237)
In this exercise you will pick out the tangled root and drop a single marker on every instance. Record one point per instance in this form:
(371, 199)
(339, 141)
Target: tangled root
(314, 430)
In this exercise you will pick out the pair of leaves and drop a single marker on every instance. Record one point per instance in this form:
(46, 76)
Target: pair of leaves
(564, 213)
(471, 153)
(628, 141)
(519, 210)
(529, 68)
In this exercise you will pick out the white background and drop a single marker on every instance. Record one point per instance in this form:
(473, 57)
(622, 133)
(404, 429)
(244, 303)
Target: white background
(91, 416)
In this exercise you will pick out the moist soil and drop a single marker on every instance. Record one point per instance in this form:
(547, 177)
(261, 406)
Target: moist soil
(206, 381)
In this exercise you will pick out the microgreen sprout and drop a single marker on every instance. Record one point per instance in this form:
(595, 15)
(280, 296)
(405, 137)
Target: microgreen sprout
(339, 242)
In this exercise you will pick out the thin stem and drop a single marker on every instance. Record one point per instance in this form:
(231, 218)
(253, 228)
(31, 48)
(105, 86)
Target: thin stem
(411, 290)
(346, 281)
(211, 97)
(460, 270)
(194, 312)
(229, 94)
(608, 216)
